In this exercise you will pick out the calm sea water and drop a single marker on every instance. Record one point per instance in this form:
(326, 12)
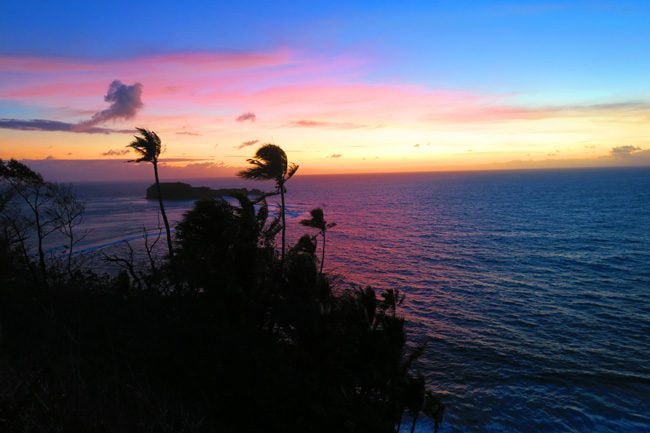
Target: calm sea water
(531, 290)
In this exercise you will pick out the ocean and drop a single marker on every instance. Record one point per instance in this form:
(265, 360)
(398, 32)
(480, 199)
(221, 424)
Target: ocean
(530, 289)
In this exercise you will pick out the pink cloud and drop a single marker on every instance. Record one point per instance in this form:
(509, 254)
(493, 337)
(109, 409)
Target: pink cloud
(285, 85)
(247, 143)
(319, 124)
(246, 116)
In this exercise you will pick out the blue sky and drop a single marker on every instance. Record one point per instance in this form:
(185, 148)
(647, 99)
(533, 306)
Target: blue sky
(559, 47)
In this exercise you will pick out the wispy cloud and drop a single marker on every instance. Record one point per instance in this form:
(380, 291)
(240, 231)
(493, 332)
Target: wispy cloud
(335, 155)
(323, 124)
(115, 152)
(71, 170)
(55, 125)
(246, 117)
(206, 61)
(247, 143)
(624, 151)
(174, 160)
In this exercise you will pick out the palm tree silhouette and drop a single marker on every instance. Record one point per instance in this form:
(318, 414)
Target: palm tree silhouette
(270, 163)
(415, 390)
(317, 221)
(434, 409)
(149, 146)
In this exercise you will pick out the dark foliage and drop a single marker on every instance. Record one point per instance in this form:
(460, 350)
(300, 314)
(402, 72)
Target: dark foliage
(271, 163)
(226, 339)
(317, 221)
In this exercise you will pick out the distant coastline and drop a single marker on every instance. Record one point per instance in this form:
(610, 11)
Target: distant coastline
(185, 191)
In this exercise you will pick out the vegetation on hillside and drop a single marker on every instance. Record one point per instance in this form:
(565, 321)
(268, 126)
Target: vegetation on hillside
(233, 336)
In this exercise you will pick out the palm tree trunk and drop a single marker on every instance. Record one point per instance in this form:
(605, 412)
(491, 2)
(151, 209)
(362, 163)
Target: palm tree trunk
(415, 419)
(284, 224)
(322, 259)
(162, 211)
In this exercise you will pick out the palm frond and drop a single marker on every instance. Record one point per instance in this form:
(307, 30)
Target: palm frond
(317, 220)
(255, 173)
(147, 145)
(269, 163)
(293, 168)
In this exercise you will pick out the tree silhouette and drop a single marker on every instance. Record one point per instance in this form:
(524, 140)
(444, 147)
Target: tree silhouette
(66, 212)
(149, 146)
(270, 163)
(317, 221)
(38, 195)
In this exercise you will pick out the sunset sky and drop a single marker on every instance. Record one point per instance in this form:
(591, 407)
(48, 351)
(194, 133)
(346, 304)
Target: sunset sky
(341, 86)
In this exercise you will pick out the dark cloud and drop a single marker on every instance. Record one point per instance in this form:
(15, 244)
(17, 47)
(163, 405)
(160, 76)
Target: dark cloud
(116, 152)
(624, 151)
(125, 101)
(247, 143)
(188, 133)
(247, 116)
(50, 158)
(55, 125)
(335, 155)
(416, 145)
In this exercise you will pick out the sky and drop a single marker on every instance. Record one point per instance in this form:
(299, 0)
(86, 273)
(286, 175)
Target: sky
(343, 87)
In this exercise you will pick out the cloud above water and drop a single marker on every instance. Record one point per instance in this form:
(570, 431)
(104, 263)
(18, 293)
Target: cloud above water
(70, 170)
(330, 125)
(247, 143)
(246, 117)
(307, 102)
(115, 152)
(125, 101)
(55, 126)
(624, 151)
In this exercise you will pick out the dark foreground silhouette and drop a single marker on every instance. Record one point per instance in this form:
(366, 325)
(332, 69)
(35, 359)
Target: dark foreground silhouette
(228, 336)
